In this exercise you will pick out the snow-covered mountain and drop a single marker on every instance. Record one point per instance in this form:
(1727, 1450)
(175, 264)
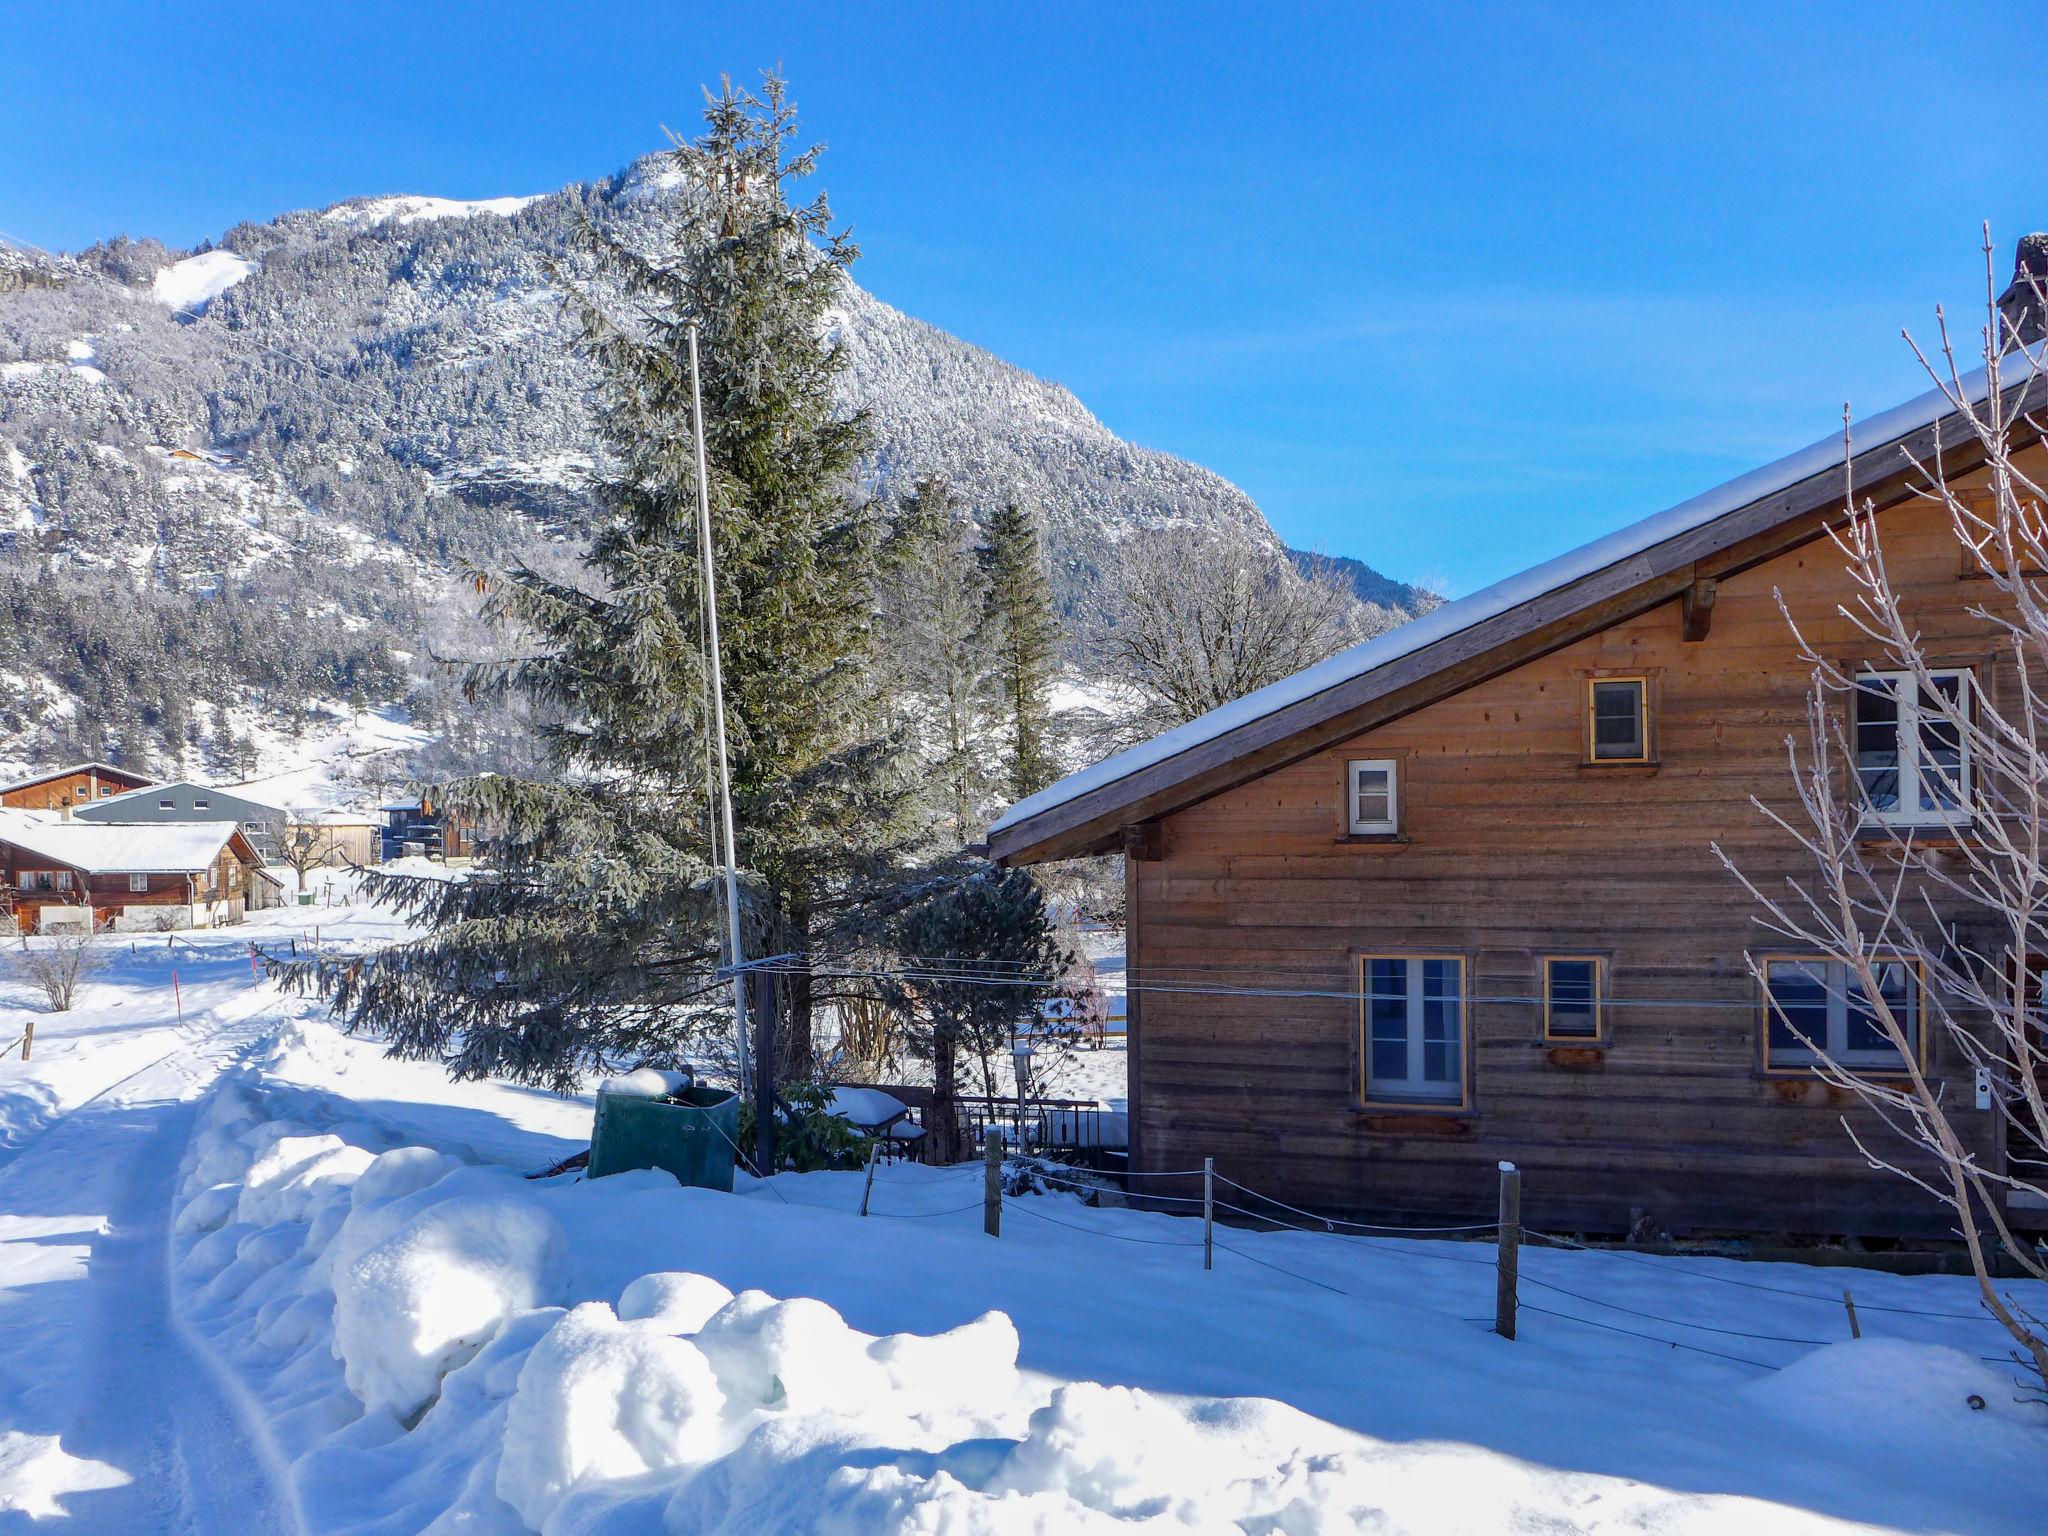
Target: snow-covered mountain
(288, 442)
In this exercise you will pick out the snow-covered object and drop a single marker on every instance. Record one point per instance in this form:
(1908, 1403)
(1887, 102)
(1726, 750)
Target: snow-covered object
(672, 1301)
(646, 1083)
(423, 1301)
(599, 1399)
(1905, 1392)
(297, 1175)
(797, 1354)
(866, 1106)
(190, 285)
(361, 213)
(1490, 602)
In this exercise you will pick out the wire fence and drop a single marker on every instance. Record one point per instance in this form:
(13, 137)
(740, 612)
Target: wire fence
(1255, 1212)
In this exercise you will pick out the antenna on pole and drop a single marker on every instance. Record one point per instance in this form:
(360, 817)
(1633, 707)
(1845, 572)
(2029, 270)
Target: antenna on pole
(730, 860)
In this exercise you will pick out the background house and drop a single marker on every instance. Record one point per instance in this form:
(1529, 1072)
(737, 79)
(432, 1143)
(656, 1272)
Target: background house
(183, 800)
(76, 784)
(132, 878)
(421, 827)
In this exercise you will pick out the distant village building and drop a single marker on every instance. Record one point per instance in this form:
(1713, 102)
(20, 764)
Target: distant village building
(64, 872)
(76, 784)
(183, 800)
(419, 827)
(339, 838)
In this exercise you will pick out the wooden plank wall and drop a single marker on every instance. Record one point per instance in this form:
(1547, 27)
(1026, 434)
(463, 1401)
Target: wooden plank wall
(1513, 848)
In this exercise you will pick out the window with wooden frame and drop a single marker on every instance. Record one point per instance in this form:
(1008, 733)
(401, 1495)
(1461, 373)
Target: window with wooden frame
(1813, 1005)
(1617, 719)
(1412, 1024)
(63, 879)
(1374, 796)
(1913, 764)
(1572, 997)
(138, 882)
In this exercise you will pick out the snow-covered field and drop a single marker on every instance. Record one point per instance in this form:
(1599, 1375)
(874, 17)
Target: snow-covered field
(259, 1278)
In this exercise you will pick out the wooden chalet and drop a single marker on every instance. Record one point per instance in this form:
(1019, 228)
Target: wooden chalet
(56, 872)
(425, 828)
(1447, 898)
(72, 785)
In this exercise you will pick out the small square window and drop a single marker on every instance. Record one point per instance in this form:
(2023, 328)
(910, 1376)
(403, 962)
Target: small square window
(1618, 720)
(1571, 998)
(63, 879)
(1375, 795)
(138, 882)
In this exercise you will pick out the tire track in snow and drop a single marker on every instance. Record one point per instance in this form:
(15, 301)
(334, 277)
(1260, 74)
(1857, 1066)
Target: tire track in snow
(150, 1400)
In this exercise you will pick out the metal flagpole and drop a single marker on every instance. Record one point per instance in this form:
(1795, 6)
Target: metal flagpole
(732, 883)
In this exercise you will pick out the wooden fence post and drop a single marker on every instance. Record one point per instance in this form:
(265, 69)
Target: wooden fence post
(992, 1181)
(1509, 1268)
(178, 998)
(1208, 1213)
(28, 1038)
(869, 1187)
(1855, 1328)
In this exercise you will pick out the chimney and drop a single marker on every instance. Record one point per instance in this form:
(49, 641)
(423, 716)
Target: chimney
(2020, 306)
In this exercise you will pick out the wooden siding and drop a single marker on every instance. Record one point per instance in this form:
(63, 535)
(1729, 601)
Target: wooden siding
(1512, 847)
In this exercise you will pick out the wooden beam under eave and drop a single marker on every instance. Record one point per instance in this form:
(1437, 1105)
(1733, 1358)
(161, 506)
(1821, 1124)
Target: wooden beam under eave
(1697, 608)
(1144, 843)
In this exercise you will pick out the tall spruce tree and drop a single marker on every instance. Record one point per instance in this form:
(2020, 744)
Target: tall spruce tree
(592, 934)
(936, 665)
(1026, 640)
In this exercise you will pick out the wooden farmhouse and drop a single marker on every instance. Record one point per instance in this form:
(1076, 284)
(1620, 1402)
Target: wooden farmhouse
(59, 872)
(1448, 899)
(75, 784)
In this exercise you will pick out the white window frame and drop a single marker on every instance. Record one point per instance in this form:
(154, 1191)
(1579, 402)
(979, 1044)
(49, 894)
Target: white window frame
(1357, 769)
(1906, 691)
(1835, 984)
(1413, 1088)
(202, 805)
(138, 882)
(167, 805)
(63, 879)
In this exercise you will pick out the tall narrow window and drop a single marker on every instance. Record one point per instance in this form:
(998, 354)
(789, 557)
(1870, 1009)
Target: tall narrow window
(1375, 796)
(1812, 1004)
(1912, 763)
(1571, 998)
(1414, 1025)
(1618, 720)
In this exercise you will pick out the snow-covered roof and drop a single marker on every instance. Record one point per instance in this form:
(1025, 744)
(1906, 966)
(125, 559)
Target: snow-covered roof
(1466, 612)
(68, 769)
(121, 848)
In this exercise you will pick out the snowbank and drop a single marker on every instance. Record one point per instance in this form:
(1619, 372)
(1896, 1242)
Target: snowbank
(445, 1345)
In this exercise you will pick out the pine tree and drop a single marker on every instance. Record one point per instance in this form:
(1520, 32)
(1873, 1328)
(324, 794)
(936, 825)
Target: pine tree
(1026, 646)
(592, 935)
(937, 666)
(992, 922)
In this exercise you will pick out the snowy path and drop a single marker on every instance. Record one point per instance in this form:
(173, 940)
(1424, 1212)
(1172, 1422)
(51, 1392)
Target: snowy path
(106, 1414)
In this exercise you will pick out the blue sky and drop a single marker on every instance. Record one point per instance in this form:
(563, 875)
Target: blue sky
(1446, 288)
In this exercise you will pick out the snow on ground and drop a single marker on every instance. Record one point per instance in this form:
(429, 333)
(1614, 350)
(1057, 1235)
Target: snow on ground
(326, 769)
(190, 285)
(363, 213)
(371, 1321)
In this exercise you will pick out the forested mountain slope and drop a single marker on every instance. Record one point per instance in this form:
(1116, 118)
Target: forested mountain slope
(238, 484)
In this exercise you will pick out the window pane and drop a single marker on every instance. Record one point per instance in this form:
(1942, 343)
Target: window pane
(1440, 1009)
(1375, 796)
(1941, 747)
(1572, 988)
(1799, 999)
(1877, 743)
(1618, 719)
(1387, 1020)
(1865, 1033)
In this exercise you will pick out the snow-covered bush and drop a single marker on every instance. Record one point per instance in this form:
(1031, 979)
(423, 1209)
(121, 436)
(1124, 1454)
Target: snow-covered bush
(423, 1301)
(602, 1399)
(672, 1301)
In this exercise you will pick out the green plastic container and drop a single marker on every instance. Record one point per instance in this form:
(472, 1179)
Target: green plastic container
(695, 1140)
